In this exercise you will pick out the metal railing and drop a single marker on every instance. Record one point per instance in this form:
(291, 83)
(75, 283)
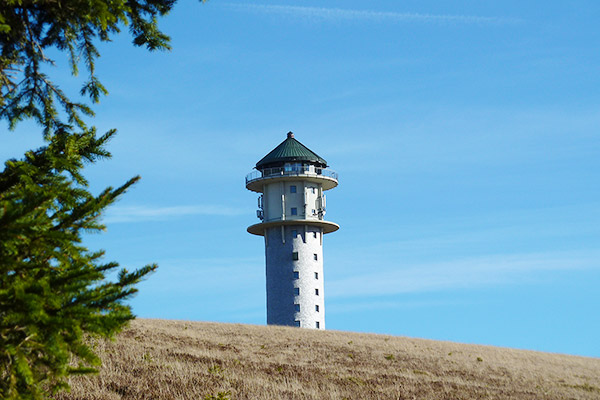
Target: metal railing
(297, 171)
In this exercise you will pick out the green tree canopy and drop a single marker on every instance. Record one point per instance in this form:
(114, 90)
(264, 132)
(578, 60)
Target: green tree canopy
(28, 28)
(52, 289)
(54, 292)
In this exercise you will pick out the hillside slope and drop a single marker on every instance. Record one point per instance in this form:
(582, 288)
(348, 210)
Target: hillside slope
(159, 359)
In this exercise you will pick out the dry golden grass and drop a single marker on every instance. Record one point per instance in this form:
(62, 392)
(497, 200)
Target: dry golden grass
(158, 359)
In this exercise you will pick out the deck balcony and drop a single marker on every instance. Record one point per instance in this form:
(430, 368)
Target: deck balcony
(327, 177)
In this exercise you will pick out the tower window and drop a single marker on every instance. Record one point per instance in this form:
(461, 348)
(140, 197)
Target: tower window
(297, 323)
(316, 307)
(296, 275)
(315, 256)
(294, 211)
(293, 189)
(295, 255)
(317, 292)
(315, 235)
(313, 190)
(297, 291)
(297, 307)
(318, 325)
(316, 275)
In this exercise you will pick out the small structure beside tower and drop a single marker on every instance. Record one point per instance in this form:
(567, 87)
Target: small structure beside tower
(291, 180)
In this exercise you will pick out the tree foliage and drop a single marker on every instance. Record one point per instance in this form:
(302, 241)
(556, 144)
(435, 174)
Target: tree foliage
(28, 28)
(52, 289)
(54, 292)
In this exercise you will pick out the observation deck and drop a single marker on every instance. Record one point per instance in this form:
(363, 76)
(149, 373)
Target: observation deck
(310, 173)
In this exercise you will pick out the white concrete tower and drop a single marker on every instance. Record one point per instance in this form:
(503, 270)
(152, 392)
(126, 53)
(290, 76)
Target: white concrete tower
(291, 207)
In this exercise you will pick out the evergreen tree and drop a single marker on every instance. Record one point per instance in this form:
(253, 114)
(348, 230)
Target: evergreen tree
(54, 295)
(53, 292)
(30, 27)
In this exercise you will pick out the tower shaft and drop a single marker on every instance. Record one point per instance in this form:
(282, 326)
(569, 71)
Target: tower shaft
(294, 261)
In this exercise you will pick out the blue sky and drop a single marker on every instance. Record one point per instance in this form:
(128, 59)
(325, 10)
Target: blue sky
(466, 137)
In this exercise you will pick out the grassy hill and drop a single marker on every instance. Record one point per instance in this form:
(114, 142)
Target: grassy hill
(158, 359)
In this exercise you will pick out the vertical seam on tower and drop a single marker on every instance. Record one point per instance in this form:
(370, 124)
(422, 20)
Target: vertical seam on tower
(305, 201)
(282, 201)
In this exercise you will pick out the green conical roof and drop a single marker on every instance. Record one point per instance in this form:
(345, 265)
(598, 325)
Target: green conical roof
(290, 150)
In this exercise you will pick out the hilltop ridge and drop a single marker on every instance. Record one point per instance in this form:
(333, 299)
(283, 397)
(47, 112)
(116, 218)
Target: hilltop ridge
(164, 359)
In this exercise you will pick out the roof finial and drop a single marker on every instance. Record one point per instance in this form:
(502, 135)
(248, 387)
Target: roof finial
(290, 135)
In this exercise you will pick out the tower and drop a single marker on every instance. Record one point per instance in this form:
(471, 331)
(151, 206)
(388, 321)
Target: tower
(291, 180)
